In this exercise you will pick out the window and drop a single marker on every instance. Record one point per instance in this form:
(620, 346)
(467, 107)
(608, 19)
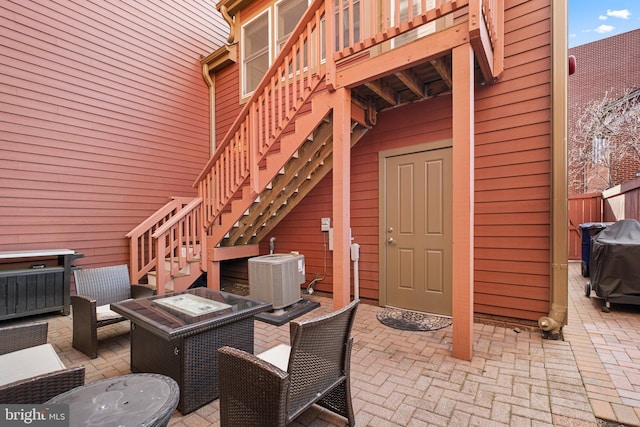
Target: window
(599, 149)
(263, 38)
(256, 55)
(288, 13)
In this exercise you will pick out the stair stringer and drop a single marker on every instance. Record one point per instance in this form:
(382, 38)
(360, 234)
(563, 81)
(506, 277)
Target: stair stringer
(285, 195)
(275, 161)
(296, 171)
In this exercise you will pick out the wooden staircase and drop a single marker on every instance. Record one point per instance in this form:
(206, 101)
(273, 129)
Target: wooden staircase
(281, 144)
(299, 176)
(276, 150)
(247, 217)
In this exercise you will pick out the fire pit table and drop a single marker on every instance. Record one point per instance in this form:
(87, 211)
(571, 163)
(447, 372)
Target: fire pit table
(179, 334)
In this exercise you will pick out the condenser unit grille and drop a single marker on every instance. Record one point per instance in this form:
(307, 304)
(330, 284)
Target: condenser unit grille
(276, 278)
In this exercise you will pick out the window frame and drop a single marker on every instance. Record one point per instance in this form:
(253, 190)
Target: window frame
(599, 147)
(276, 17)
(273, 42)
(243, 58)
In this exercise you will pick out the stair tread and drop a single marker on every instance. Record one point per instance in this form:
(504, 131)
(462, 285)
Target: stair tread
(191, 261)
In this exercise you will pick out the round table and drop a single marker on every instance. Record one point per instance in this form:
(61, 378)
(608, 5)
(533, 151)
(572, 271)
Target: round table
(128, 400)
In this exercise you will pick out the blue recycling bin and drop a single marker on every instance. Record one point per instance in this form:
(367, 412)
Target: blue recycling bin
(588, 230)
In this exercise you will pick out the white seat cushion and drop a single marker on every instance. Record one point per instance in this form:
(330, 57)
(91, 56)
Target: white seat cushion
(29, 362)
(104, 312)
(278, 356)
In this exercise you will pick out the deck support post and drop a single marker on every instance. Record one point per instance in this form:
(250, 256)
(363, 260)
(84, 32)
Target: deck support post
(341, 198)
(463, 201)
(213, 276)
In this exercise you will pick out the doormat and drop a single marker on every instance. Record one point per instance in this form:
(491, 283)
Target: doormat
(282, 316)
(407, 320)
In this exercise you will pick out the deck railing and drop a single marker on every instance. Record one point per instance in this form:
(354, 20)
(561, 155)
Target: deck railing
(292, 78)
(368, 23)
(490, 10)
(486, 30)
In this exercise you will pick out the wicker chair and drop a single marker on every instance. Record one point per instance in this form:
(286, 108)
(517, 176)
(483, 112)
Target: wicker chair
(315, 369)
(30, 370)
(96, 288)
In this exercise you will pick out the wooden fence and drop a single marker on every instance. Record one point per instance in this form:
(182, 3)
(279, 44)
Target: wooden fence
(582, 208)
(622, 201)
(614, 204)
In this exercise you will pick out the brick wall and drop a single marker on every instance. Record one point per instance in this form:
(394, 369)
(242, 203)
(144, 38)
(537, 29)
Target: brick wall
(609, 65)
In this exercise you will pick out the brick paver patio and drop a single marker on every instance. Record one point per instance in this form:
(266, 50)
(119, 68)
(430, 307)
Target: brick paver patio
(402, 378)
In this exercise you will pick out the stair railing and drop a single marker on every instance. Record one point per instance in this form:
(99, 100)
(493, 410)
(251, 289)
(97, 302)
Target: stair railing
(142, 253)
(179, 241)
(289, 83)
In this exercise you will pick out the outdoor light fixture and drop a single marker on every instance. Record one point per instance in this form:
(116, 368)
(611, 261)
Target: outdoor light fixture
(572, 64)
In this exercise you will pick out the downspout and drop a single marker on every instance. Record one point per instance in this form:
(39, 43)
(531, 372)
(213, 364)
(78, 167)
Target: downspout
(224, 56)
(211, 84)
(552, 324)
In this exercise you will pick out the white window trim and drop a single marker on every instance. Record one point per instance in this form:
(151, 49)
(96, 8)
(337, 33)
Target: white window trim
(599, 150)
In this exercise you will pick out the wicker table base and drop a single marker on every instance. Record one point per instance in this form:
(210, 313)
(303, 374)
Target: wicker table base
(192, 361)
(179, 334)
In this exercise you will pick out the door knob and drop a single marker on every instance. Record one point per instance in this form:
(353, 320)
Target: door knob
(390, 240)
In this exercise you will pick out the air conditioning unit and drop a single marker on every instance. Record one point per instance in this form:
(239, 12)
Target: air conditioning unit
(276, 278)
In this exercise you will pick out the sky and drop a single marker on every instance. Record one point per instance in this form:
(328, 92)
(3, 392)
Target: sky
(591, 20)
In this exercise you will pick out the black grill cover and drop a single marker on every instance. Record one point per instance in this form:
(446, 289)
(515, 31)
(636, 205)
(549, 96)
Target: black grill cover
(615, 260)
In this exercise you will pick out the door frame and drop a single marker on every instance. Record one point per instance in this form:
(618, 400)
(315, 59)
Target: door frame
(382, 220)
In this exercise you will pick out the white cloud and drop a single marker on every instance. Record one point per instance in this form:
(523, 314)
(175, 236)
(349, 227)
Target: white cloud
(602, 17)
(622, 14)
(602, 29)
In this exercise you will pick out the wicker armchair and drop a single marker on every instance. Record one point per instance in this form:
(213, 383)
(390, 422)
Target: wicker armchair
(96, 288)
(315, 369)
(30, 370)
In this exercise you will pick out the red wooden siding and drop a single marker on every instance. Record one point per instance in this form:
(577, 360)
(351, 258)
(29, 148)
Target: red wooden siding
(300, 231)
(227, 96)
(512, 198)
(512, 189)
(104, 117)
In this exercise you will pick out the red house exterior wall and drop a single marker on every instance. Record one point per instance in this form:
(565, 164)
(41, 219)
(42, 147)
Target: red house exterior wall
(610, 65)
(512, 187)
(104, 117)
